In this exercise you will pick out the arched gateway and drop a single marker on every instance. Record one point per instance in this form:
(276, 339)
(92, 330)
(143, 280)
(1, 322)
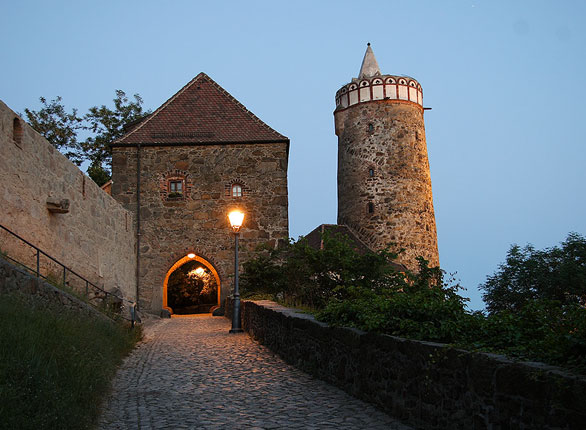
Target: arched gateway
(191, 285)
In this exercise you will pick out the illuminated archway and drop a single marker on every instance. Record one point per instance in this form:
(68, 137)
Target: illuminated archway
(188, 258)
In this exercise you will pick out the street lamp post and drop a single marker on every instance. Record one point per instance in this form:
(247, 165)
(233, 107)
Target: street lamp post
(236, 218)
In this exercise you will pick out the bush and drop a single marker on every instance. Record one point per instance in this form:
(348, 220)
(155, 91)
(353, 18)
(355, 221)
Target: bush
(366, 291)
(543, 330)
(297, 274)
(415, 305)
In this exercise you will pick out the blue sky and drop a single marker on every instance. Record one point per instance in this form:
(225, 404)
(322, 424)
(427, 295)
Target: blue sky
(504, 79)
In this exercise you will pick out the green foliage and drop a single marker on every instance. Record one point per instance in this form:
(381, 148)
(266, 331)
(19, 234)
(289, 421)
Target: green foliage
(366, 291)
(536, 302)
(418, 305)
(107, 125)
(301, 275)
(557, 273)
(55, 366)
(98, 173)
(58, 127)
(543, 330)
(103, 123)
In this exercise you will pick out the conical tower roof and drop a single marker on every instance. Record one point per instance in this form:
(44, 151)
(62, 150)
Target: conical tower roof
(372, 85)
(369, 65)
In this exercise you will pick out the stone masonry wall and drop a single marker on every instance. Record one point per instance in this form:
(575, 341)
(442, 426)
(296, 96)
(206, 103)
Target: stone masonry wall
(382, 161)
(427, 385)
(95, 238)
(198, 222)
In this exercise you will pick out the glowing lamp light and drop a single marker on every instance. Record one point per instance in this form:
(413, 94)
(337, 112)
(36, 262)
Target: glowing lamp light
(236, 219)
(199, 271)
(191, 255)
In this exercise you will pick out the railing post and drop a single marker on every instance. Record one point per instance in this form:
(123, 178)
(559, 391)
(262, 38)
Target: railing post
(134, 308)
(132, 312)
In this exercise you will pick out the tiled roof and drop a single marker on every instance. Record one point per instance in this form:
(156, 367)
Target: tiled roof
(201, 112)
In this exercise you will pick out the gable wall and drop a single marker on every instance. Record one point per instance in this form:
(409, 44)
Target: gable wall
(199, 224)
(95, 238)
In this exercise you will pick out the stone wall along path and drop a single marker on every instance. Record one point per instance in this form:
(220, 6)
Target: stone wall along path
(190, 373)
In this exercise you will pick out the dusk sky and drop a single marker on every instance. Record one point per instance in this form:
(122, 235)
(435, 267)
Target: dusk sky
(505, 81)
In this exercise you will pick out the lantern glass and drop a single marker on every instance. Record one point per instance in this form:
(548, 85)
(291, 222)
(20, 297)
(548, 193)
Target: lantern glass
(236, 219)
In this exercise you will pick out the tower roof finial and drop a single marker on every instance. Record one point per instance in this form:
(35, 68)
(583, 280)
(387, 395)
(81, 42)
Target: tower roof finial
(369, 65)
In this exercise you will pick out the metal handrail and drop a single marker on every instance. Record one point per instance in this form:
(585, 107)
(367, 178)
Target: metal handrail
(66, 269)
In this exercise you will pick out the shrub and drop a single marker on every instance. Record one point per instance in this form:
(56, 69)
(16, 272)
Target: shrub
(416, 305)
(362, 290)
(298, 274)
(365, 291)
(543, 330)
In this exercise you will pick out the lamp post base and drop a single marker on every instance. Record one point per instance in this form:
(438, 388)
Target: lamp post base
(236, 330)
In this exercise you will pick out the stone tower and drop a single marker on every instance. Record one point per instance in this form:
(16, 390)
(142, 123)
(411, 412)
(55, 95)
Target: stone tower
(384, 184)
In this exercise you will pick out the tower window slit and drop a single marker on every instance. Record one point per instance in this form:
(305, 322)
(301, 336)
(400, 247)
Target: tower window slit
(17, 131)
(370, 208)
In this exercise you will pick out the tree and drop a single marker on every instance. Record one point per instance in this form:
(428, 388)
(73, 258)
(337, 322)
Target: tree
(555, 274)
(58, 127)
(104, 125)
(108, 125)
(98, 173)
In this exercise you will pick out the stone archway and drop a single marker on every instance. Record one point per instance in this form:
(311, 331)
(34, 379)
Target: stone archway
(189, 258)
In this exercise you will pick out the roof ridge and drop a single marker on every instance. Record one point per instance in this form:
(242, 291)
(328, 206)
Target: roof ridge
(200, 76)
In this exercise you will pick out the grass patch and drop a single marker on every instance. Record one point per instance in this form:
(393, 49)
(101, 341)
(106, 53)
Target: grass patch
(55, 366)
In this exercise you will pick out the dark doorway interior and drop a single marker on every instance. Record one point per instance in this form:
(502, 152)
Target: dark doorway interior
(192, 289)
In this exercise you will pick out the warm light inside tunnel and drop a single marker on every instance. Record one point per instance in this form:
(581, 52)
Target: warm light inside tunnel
(207, 267)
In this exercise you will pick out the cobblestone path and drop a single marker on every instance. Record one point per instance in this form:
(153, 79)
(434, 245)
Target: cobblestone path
(190, 373)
